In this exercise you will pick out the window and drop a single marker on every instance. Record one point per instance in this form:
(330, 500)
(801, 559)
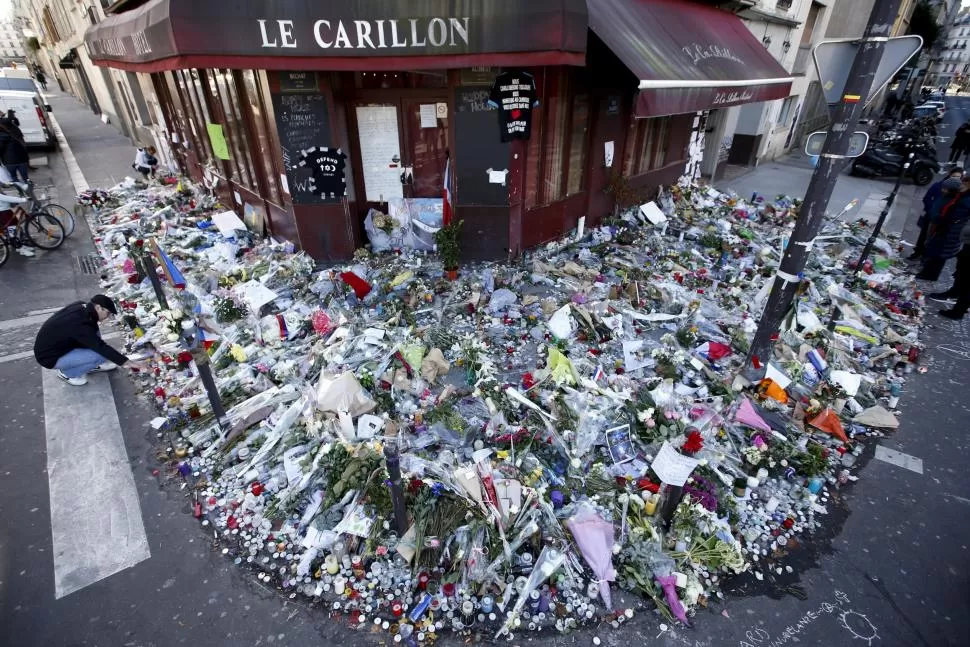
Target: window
(261, 127)
(787, 106)
(50, 28)
(647, 145)
(557, 149)
(810, 22)
(223, 90)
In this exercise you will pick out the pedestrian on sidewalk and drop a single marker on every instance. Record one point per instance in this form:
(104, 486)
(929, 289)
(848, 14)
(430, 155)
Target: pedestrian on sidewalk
(13, 150)
(146, 162)
(961, 142)
(42, 79)
(960, 290)
(929, 199)
(943, 241)
(70, 341)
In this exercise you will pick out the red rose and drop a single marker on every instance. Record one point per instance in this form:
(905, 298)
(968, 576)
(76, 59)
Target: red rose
(139, 243)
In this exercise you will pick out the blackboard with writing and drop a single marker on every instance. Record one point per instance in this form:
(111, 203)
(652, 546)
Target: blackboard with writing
(303, 122)
(478, 149)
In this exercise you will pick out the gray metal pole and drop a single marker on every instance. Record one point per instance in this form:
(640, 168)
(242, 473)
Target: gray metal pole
(845, 117)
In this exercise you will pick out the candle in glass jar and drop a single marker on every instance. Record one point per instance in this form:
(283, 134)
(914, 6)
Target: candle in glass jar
(331, 564)
(650, 505)
(423, 581)
(339, 583)
(467, 607)
(397, 609)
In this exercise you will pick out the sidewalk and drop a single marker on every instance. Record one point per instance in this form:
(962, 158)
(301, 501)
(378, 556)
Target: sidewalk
(103, 153)
(791, 175)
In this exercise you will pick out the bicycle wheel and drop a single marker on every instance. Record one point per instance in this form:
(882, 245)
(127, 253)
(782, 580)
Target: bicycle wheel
(63, 215)
(44, 230)
(4, 250)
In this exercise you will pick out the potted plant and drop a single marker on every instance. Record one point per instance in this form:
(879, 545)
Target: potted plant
(449, 248)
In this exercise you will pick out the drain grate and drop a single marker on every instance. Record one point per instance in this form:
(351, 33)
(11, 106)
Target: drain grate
(88, 264)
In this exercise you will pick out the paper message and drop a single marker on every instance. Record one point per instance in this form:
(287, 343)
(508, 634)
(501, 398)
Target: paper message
(497, 177)
(672, 467)
(608, 153)
(429, 115)
(218, 140)
(227, 223)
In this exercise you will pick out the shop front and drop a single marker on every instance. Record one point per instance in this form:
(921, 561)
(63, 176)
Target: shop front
(306, 118)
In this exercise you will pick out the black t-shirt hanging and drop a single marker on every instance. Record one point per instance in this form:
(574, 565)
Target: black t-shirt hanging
(327, 171)
(514, 94)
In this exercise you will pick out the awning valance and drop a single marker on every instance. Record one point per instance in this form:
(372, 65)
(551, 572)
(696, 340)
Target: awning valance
(687, 56)
(341, 35)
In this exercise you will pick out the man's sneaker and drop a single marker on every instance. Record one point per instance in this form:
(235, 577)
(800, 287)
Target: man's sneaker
(73, 381)
(104, 367)
(943, 297)
(25, 251)
(951, 314)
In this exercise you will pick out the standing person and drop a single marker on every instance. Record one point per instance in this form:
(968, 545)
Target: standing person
(42, 79)
(146, 162)
(929, 199)
(13, 150)
(70, 341)
(960, 290)
(961, 142)
(943, 241)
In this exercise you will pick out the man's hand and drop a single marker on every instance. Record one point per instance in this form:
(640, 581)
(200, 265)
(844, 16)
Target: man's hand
(137, 364)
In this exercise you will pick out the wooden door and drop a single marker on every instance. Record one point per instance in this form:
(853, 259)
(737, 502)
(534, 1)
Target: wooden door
(381, 161)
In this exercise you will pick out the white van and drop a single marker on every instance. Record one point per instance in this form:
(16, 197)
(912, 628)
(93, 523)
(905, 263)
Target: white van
(31, 114)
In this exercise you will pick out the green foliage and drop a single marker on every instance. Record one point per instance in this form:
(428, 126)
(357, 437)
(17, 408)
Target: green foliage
(447, 240)
(923, 23)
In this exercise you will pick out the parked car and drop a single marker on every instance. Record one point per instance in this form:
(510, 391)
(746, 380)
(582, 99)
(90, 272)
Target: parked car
(31, 112)
(939, 106)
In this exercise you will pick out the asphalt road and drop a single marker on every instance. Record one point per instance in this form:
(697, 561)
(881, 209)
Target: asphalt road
(890, 569)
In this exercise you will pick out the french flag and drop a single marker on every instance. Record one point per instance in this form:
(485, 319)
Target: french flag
(446, 209)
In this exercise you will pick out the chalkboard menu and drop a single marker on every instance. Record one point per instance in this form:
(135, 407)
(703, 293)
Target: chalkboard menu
(303, 122)
(478, 149)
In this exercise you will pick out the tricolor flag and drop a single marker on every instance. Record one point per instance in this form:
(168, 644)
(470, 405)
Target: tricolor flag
(851, 98)
(446, 208)
(599, 373)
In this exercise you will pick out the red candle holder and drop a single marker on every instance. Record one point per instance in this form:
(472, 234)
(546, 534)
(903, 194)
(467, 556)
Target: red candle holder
(423, 579)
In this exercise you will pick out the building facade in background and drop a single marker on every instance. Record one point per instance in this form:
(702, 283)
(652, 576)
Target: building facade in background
(951, 60)
(11, 44)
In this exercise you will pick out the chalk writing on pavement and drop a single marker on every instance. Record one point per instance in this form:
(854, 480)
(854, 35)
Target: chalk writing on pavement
(855, 624)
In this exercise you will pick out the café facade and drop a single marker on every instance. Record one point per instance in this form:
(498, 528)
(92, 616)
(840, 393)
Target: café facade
(306, 115)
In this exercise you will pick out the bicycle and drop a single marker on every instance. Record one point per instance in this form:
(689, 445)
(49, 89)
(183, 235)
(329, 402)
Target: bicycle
(42, 203)
(38, 229)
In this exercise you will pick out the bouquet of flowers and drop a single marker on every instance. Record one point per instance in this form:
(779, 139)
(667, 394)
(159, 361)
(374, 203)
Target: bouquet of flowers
(385, 223)
(228, 307)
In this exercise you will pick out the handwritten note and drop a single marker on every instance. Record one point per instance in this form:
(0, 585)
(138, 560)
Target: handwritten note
(672, 467)
(380, 152)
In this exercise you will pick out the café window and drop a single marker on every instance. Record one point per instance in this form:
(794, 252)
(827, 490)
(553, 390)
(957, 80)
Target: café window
(557, 150)
(647, 145)
(262, 122)
(223, 88)
(198, 112)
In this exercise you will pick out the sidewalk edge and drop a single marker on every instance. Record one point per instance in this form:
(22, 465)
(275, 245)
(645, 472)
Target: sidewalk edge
(73, 168)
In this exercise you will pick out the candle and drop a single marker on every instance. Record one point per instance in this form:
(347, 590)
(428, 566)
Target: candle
(397, 609)
(762, 476)
(331, 564)
(448, 589)
(467, 607)
(651, 504)
(423, 581)
(345, 561)
(487, 603)
(339, 549)
(338, 584)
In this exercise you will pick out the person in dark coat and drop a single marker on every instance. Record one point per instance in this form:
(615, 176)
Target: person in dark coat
(70, 341)
(943, 241)
(13, 150)
(961, 142)
(929, 199)
(42, 79)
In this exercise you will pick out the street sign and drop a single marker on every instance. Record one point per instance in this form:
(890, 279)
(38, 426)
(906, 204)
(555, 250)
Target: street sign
(857, 144)
(833, 61)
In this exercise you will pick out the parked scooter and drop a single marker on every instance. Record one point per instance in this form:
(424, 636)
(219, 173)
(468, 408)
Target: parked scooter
(883, 162)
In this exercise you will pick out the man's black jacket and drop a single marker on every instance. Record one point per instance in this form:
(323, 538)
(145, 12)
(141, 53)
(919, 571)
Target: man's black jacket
(74, 326)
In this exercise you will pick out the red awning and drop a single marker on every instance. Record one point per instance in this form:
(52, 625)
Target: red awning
(687, 56)
(340, 35)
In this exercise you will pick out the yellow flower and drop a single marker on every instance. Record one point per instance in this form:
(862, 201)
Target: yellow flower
(238, 353)
(503, 454)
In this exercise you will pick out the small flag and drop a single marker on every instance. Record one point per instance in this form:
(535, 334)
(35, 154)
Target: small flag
(446, 206)
(851, 98)
(598, 374)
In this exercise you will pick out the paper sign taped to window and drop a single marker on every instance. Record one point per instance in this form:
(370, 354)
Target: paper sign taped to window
(429, 115)
(672, 467)
(497, 177)
(608, 153)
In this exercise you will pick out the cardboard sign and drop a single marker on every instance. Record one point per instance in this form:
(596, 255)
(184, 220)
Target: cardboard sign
(672, 467)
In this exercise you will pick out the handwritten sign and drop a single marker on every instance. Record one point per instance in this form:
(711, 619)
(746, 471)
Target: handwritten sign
(380, 152)
(303, 122)
(672, 467)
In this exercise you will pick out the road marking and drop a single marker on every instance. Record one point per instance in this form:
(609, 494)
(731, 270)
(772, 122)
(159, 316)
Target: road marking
(899, 459)
(45, 311)
(13, 357)
(29, 320)
(73, 168)
(96, 521)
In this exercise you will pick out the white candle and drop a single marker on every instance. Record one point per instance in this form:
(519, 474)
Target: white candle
(338, 584)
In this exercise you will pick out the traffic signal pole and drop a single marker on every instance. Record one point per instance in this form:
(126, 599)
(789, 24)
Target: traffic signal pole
(845, 116)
